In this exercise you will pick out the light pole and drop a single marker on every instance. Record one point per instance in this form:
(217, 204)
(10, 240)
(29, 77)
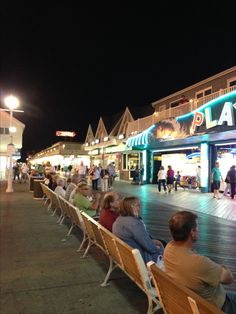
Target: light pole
(12, 103)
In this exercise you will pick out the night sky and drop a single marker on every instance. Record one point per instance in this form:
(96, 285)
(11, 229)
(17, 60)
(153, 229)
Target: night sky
(71, 64)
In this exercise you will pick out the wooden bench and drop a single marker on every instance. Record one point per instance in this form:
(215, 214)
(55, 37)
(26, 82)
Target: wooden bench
(121, 255)
(46, 192)
(177, 299)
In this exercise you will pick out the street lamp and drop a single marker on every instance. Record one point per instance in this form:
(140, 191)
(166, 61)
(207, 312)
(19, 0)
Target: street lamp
(11, 103)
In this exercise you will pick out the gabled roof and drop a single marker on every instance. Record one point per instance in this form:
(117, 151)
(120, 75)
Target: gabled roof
(121, 125)
(89, 136)
(6, 115)
(101, 130)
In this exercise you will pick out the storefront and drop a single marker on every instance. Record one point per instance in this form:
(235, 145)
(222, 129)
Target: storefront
(105, 155)
(131, 160)
(198, 138)
(185, 160)
(63, 154)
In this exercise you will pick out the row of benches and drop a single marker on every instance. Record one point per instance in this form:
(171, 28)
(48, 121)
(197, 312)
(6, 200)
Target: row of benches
(174, 298)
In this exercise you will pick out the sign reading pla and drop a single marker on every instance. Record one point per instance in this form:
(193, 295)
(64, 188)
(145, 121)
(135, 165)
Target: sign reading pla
(226, 116)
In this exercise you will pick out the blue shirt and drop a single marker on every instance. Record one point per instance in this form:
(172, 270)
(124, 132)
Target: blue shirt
(133, 232)
(216, 174)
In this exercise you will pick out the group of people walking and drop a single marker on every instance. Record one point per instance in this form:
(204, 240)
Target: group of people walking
(167, 179)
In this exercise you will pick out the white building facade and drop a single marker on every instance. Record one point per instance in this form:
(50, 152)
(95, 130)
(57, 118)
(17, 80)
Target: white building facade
(6, 137)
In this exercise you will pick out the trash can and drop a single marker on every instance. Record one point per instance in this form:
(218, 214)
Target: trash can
(32, 183)
(32, 178)
(38, 192)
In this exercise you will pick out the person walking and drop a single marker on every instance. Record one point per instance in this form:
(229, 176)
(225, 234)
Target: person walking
(161, 178)
(232, 179)
(170, 178)
(177, 180)
(216, 178)
(227, 181)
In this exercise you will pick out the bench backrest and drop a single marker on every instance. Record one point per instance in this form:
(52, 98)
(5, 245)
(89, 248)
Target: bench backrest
(98, 236)
(88, 226)
(109, 240)
(62, 204)
(133, 264)
(76, 216)
(176, 298)
(45, 189)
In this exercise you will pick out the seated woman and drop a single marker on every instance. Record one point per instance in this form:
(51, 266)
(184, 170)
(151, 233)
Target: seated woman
(59, 190)
(130, 228)
(110, 207)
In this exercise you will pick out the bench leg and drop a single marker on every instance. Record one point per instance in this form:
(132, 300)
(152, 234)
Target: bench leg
(82, 244)
(54, 212)
(69, 232)
(49, 205)
(90, 243)
(62, 219)
(152, 309)
(110, 270)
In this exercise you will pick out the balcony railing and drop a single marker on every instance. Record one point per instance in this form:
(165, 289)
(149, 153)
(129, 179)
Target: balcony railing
(142, 124)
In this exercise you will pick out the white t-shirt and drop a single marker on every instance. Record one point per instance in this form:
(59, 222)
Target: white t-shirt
(161, 175)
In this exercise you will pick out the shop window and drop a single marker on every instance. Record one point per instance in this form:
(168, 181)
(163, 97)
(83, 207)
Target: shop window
(7, 131)
(2, 131)
(204, 92)
(133, 160)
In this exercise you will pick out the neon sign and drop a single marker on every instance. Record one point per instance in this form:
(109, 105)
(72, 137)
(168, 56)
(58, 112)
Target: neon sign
(226, 117)
(65, 133)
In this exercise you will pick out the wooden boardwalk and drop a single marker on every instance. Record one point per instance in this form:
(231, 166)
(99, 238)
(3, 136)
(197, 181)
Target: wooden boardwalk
(217, 219)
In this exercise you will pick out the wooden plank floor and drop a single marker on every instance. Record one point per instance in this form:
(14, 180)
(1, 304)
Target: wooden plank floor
(217, 219)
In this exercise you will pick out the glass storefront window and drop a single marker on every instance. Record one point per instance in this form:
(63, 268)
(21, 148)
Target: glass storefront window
(133, 160)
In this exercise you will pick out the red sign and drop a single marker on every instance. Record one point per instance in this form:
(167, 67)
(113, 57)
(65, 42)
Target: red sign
(65, 133)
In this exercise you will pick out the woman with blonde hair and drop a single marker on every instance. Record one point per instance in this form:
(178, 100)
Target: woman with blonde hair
(130, 228)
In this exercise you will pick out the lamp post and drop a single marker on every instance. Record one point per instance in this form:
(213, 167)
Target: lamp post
(11, 103)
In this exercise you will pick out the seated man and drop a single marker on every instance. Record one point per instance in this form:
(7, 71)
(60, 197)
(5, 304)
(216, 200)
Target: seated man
(194, 271)
(71, 186)
(83, 202)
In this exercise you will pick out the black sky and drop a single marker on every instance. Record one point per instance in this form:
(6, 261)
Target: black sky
(70, 65)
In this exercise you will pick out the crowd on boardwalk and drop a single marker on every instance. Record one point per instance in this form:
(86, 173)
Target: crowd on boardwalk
(122, 216)
(170, 181)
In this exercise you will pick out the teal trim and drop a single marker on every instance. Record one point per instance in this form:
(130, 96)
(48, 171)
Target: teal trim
(209, 103)
(140, 139)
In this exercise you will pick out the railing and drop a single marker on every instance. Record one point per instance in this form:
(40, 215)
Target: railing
(142, 124)
(205, 99)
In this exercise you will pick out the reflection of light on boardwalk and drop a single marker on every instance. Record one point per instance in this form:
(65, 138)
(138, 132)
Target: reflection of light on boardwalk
(188, 199)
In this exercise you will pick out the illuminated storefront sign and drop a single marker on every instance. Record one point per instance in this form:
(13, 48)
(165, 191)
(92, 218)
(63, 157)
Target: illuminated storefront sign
(226, 117)
(65, 133)
(218, 115)
(114, 149)
(93, 152)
